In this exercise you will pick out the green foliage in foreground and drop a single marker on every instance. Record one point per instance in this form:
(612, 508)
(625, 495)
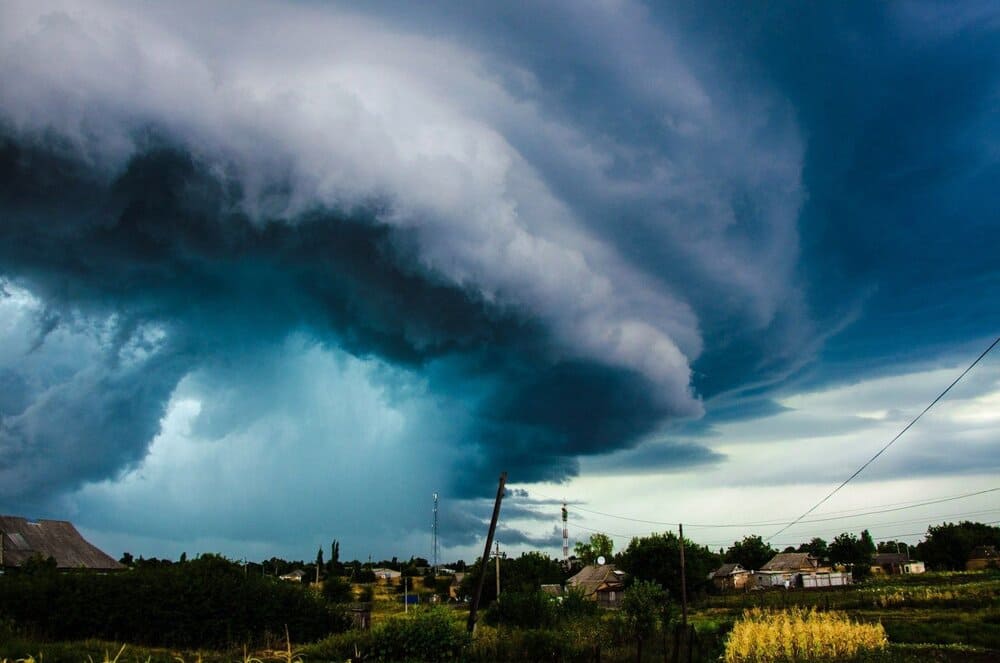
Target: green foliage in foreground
(921, 615)
(426, 634)
(206, 603)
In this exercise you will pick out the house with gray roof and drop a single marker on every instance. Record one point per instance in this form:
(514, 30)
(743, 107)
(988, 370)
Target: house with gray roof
(603, 583)
(799, 569)
(21, 539)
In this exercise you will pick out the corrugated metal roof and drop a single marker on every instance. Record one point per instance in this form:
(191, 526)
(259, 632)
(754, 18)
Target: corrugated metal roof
(58, 539)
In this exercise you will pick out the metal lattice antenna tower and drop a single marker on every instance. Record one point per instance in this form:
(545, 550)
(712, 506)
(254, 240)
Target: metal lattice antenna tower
(565, 521)
(435, 532)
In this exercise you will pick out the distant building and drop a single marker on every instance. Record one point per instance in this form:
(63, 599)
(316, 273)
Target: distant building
(386, 574)
(983, 557)
(729, 576)
(600, 582)
(896, 563)
(799, 570)
(21, 539)
(293, 576)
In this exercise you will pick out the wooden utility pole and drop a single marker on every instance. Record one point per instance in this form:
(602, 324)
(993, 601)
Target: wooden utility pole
(684, 596)
(486, 555)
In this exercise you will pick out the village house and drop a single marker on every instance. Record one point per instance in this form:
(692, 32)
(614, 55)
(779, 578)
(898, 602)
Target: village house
(21, 539)
(730, 576)
(896, 563)
(600, 582)
(799, 570)
(983, 557)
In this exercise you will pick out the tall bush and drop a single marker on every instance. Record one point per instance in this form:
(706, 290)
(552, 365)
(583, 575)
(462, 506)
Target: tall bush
(208, 602)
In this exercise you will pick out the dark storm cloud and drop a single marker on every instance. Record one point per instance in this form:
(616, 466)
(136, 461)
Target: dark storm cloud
(163, 242)
(653, 458)
(899, 103)
(582, 225)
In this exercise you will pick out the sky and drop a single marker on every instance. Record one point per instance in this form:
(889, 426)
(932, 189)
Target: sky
(273, 274)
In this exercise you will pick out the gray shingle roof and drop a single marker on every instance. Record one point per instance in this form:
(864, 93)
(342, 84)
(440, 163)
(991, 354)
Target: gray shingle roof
(594, 577)
(58, 539)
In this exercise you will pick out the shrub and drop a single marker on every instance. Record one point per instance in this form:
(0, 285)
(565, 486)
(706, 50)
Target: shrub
(337, 590)
(348, 646)
(524, 609)
(575, 605)
(207, 602)
(764, 636)
(429, 635)
(506, 644)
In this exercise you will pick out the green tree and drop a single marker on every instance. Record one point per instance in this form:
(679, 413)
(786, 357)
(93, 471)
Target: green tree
(334, 567)
(657, 557)
(517, 574)
(853, 551)
(751, 553)
(337, 590)
(600, 545)
(947, 546)
(817, 547)
(642, 605)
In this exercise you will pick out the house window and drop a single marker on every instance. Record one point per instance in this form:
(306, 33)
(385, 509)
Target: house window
(612, 597)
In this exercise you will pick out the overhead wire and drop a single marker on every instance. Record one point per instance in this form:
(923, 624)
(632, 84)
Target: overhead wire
(811, 534)
(827, 516)
(891, 442)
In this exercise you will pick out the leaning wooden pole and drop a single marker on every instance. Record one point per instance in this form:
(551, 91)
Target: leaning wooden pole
(486, 555)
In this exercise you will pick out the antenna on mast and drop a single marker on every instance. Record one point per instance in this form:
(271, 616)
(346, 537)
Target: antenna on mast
(435, 533)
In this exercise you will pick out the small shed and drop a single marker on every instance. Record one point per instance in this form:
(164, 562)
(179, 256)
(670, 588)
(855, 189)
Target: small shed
(386, 574)
(293, 576)
(455, 589)
(983, 557)
(729, 576)
(21, 539)
(603, 583)
(551, 590)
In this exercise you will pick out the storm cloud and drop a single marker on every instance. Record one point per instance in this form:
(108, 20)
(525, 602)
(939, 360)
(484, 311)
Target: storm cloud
(509, 239)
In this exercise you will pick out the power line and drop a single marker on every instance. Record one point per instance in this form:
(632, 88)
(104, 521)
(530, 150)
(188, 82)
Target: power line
(890, 443)
(828, 515)
(875, 526)
(891, 510)
(810, 534)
